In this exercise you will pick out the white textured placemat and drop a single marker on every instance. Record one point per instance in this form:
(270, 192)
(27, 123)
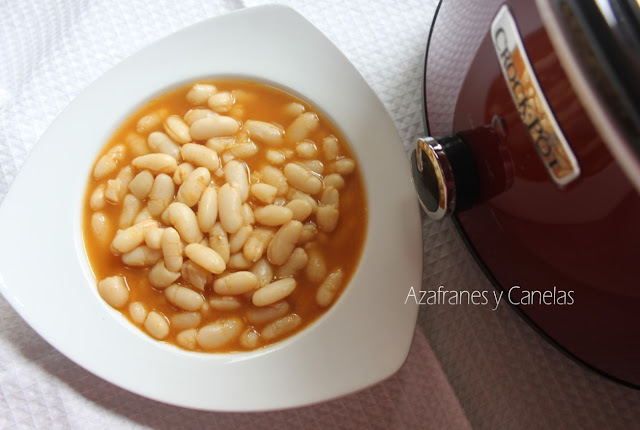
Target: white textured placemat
(489, 370)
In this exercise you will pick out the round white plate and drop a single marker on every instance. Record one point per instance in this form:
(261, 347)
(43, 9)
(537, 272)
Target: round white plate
(44, 273)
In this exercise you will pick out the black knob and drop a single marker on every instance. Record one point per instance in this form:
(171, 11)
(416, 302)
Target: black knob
(445, 175)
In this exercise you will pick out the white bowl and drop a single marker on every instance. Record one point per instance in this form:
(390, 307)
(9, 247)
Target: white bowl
(44, 272)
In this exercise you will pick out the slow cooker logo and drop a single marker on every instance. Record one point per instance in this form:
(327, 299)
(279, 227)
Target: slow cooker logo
(551, 145)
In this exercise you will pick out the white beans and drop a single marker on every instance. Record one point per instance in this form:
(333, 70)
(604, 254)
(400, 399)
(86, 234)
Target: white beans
(114, 291)
(250, 338)
(330, 197)
(302, 178)
(275, 157)
(177, 129)
(140, 185)
(275, 177)
(192, 188)
(195, 275)
(182, 172)
(161, 194)
(172, 249)
(294, 109)
(306, 149)
(344, 166)
(141, 256)
(161, 277)
(185, 320)
(296, 262)
(97, 201)
(138, 312)
(267, 313)
(108, 163)
(301, 127)
(187, 338)
(100, 227)
(327, 218)
(153, 237)
(156, 325)
(316, 268)
(237, 261)
(130, 208)
(329, 288)
(221, 102)
(185, 221)
(161, 143)
(273, 215)
(330, 148)
(128, 239)
(238, 239)
(208, 209)
(149, 123)
(137, 144)
(264, 192)
(219, 242)
(280, 327)
(225, 303)
(157, 163)
(200, 155)
(300, 209)
(273, 292)
(236, 175)
(219, 333)
(264, 132)
(334, 180)
(205, 257)
(183, 297)
(229, 208)
(283, 242)
(263, 271)
(235, 283)
(200, 93)
(257, 244)
(214, 126)
(197, 113)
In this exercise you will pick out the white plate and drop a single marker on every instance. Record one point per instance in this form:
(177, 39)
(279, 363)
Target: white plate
(44, 273)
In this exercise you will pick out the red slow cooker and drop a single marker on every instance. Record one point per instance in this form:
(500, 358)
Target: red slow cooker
(533, 113)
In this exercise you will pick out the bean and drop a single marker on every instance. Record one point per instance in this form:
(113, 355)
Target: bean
(263, 271)
(250, 338)
(274, 176)
(187, 338)
(328, 289)
(156, 325)
(230, 208)
(235, 173)
(208, 209)
(264, 192)
(192, 188)
(195, 275)
(184, 220)
(334, 180)
(314, 165)
(294, 109)
(295, 194)
(238, 239)
(302, 178)
(198, 113)
(117, 188)
(97, 201)
(114, 291)
(225, 303)
(264, 132)
(221, 102)
(149, 123)
(182, 173)
(330, 148)
(237, 261)
(137, 144)
(157, 163)
(280, 327)
(247, 215)
(219, 144)
(161, 143)
(183, 297)
(177, 129)
(205, 257)
(301, 127)
(235, 283)
(200, 93)
(219, 242)
(344, 166)
(141, 256)
(300, 209)
(257, 243)
(296, 262)
(330, 197)
(273, 292)
(306, 149)
(108, 163)
(161, 194)
(275, 157)
(316, 268)
(268, 313)
(172, 249)
(144, 214)
(242, 150)
(283, 242)
(219, 333)
(185, 320)
(273, 215)
(130, 208)
(161, 277)
(327, 218)
(140, 185)
(309, 232)
(153, 237)
(214, 126)
(137, 312)
(100, 227)
(200, 155)
(128, 239)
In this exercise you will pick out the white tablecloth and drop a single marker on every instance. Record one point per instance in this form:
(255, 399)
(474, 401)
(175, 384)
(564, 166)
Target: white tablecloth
(468, 366)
